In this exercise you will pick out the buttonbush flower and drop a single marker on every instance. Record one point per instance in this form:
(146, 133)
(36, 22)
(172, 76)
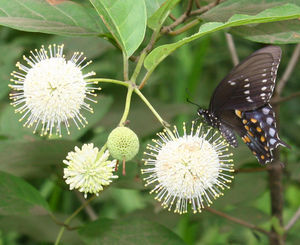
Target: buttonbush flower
(88, 169)
(188, 169)
(52, 90)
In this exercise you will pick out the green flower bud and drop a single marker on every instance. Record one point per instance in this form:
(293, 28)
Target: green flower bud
(123, 142)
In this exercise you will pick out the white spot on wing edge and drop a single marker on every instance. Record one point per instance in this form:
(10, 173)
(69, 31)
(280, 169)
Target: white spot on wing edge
(272, 132)
(263, 88)
(249, 99)
(269, 120)
(266, 111)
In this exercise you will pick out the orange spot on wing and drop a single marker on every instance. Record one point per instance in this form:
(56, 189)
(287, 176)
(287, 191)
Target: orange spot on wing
(247, 139)
(238, 113)
(253, 120)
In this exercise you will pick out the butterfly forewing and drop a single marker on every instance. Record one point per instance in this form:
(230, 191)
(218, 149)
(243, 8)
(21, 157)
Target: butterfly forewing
(250, 84)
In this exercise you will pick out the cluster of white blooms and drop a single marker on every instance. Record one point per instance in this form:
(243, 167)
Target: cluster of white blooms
(189, 169)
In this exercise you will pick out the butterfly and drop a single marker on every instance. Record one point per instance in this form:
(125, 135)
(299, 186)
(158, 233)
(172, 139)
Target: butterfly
(240, 103)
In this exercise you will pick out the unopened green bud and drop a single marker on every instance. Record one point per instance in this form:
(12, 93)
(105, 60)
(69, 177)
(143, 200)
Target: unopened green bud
(123, 143)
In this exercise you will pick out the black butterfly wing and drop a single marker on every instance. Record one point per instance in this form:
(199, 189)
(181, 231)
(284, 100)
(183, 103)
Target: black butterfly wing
(250, 84)
(257, 128)
(240, 103)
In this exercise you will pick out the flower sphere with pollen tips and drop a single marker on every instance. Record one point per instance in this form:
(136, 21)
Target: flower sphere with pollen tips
(52, 91)
(188, 168)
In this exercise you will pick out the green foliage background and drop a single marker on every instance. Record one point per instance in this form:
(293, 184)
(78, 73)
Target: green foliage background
(31, 183)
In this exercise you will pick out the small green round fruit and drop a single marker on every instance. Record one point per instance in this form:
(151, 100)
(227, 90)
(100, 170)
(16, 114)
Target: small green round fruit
(123, 142)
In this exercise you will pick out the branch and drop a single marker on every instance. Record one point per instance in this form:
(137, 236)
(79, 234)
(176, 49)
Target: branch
(289, 70)
(88, 208)
(189, 8)
(276, 196)
(289, 97)
(293, 220)
(197, 4)
(187, 14)
(232, 49)
(236, 220)
(206, 7)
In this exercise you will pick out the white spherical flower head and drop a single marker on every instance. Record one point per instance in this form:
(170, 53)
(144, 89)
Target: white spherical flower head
(88, 169)
(188, 168)
(52, 90)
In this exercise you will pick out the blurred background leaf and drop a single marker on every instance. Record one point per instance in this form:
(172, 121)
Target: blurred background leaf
(127, 232)
(19, 198)
(61, 18)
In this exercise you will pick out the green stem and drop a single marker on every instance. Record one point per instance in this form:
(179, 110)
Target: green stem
(145, 79)
(106, 80)
(138, 66)
(127, 104)
(67, 222)
(125, 67)
(163, 122)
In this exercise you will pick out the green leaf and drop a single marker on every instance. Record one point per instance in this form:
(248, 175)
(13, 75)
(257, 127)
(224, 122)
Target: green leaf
(11, 52)
(66, 18)
(286, 12)
(100, 109)
(282, 32)
(34, 159)
(275, 32)
(106, 231)
(276, 225)
(244, 187)
(224, 11)
(249, 213)
(126, 21)
(40, 229)
(152, 6)
(11, 127)
(19, 198)
(159, 17)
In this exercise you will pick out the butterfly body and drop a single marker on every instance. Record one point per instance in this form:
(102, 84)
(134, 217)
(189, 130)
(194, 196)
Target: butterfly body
(240, 103)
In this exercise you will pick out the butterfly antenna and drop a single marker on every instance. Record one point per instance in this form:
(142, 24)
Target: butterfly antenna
(197, 102)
